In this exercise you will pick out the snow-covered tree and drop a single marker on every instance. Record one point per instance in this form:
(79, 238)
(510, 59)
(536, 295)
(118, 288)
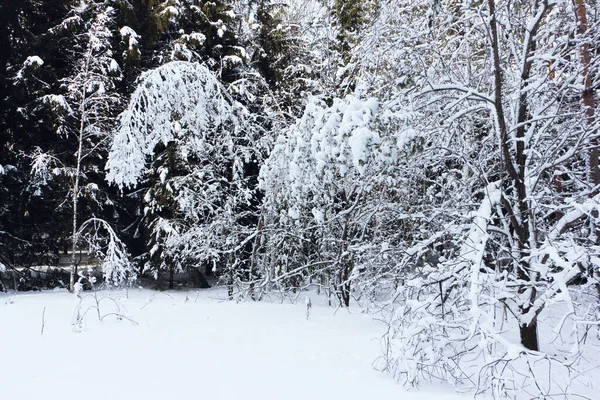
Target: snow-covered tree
(499, 229)
(200, 31)
(328, 184)
(82, 116)
(185, 141)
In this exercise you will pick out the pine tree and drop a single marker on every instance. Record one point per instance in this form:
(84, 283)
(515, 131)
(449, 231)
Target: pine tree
(352, 17)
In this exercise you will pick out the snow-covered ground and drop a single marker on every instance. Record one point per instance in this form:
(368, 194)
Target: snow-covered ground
(186, 346)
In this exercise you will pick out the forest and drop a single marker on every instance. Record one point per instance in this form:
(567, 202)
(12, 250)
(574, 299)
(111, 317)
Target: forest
(433, 161)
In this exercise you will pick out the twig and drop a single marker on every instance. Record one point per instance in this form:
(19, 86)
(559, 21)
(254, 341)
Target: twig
(119, 317)
(152, 299)
(43, 321)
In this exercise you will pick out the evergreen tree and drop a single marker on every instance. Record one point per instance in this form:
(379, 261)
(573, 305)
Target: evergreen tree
(28, 71)
(62, 98)
(351, 18)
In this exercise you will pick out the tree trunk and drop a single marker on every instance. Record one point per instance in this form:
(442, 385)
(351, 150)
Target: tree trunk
(587, 101)
(587, 96)
(515, 166)
(529, 336)
(345, 267)
(171, 276)
(229, 276)
(74, 238)
(75, 233)
(345, 293)
(230, 286)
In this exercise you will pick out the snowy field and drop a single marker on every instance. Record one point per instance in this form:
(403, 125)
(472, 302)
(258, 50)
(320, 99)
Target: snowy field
(184, 346)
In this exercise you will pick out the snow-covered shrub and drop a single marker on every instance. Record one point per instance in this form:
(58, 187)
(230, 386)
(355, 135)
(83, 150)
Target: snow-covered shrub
(328, 184)
(442, 311)
(104, 243)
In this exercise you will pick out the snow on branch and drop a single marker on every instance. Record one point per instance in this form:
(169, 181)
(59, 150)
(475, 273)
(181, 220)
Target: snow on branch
(178, 99)
(31, 64)
(473, 249)
(329, 149)
(105, 243)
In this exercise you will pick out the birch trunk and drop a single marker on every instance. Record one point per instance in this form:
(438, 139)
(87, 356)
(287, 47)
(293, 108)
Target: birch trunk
(75, 198)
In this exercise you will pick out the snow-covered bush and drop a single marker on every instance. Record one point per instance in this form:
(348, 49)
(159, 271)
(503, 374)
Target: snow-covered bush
(103, 241)
(327, 183)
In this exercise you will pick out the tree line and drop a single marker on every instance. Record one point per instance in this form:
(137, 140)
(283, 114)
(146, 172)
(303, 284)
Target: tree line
(438, 159)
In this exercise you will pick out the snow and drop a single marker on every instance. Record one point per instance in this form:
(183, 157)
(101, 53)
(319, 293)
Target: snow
(188, 345)
(198, 37)
(114, 66)
(127, 31)
(319, 215)
(130, 35)
(171, 12)
(232, 61)
(328, 150)
(184, 89)
(68, 24)
(57, 102)
(30, 64)
(33, 60)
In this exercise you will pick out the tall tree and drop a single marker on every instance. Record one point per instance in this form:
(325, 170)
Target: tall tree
(80, 112)
(28, 226)
(92, 100)
(198, 195)
(587, 95)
